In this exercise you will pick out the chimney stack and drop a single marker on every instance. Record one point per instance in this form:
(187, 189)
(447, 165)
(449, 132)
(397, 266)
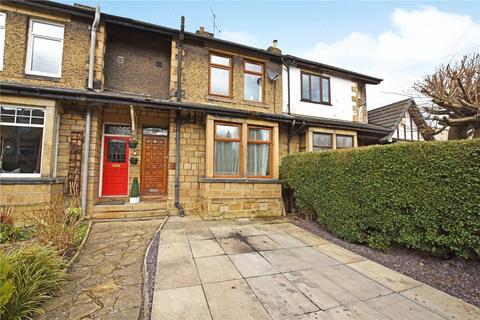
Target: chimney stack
(274, 48)
(202, 32)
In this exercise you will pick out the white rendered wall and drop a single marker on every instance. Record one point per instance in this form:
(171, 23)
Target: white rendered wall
(341, 98)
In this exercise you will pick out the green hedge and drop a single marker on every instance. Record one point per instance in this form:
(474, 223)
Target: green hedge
(421, 195)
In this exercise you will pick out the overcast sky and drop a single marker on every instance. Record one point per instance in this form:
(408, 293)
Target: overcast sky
(398, 41)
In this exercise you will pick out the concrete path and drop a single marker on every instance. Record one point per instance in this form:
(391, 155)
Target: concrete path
(239, 269)
(106, 282)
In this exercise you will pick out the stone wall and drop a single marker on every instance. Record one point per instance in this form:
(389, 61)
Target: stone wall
(75, 48)
(240, 200)
(195, 80)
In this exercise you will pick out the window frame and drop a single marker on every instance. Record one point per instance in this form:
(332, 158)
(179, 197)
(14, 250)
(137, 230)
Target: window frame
(26, 175)
(321, 77)
(31, 36)
(345, 135)
(3, 31)
(261, 74)
(240, 152)
(270, 142)
(322, 148)
(220, 66)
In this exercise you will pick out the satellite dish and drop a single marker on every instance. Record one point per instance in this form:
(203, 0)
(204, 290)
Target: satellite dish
(272, 75)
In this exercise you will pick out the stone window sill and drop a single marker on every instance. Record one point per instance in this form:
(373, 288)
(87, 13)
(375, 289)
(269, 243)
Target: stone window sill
(20, 180)
(220, 99)
(239, 180)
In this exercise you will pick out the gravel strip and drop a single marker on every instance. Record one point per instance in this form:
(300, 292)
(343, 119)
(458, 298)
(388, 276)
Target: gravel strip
(149, 281)
(457, 277)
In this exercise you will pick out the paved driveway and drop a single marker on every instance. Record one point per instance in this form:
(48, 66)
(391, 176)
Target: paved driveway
(238, 269)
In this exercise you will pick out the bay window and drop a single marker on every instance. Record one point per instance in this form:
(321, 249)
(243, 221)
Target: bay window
(227, 150)
(45, 49)
(253, 81)
(241, 149)
(220, 75)
(259, 149)
(315, 88)
(21, 140)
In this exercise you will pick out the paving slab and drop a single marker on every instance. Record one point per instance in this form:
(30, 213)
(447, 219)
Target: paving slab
(180, 304)
(319, 315)
(281, 299)
(234, 245)
(290, 227)
(397, 307)
(365, 312)
(262, 243)
(313, 257)
(223, 232)
(216, 269)
(173, 251)
(247, 231)
(359, 285)
(341, 313)
(234, 300)
(442, 303)
(338, 253)
(252, 264)
(206, 248)
(199, 234)
(309, 238)
(269, 228)
(284, 261)
(385, 276)
(176, 274)
(173, 235)
(286, 241)
(319, 289)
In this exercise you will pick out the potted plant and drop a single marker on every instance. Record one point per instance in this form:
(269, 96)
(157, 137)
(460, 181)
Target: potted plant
(132, 143)
(135, 192)
(133, 160)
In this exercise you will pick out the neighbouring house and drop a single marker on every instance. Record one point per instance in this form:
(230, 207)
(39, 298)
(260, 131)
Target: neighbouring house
(90, 101)
(404, 121)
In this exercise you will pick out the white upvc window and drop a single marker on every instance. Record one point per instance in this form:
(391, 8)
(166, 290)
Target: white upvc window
(2, 37)
(21, 141)
(45, 49)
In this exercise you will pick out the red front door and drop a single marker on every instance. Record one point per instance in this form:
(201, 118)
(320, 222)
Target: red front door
(115, 166)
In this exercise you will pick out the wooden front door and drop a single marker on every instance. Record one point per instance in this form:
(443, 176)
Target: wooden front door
(154, 165)
(115, 166)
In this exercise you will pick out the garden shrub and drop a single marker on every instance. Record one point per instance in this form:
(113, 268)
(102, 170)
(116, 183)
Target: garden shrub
(35, 271)
(422, 195)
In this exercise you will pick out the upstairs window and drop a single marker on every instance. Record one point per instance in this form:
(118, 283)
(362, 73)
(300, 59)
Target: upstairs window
(220, 75)
(21, 141)
(2, 37)
(253, 81)
(322, 141)
(45, 49)
(315, 88)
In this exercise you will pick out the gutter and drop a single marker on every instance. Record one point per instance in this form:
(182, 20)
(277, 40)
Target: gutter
(88, 115)
(181, 211)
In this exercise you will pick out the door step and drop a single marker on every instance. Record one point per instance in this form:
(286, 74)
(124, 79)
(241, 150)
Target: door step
(128, 210)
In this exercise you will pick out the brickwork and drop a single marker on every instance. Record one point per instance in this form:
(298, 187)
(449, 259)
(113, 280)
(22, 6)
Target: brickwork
(359, 102)
(75, 49)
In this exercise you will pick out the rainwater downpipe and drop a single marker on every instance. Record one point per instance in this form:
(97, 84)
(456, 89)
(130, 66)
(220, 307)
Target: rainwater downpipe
(181, 211)
(288, 101)
(88, 113)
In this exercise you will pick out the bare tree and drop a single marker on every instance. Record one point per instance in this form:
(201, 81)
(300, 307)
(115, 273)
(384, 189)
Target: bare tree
(454, 90)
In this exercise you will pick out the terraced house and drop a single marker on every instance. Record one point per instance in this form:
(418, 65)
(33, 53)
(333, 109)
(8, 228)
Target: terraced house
(91, 101)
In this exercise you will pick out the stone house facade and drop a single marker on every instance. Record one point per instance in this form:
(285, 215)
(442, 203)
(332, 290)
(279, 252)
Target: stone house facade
(200, 122)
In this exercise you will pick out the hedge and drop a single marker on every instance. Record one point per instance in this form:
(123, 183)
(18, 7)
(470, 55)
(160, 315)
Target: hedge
(422, 195)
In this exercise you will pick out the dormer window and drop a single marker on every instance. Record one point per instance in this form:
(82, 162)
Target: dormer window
(315, 88)
(45, 49)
